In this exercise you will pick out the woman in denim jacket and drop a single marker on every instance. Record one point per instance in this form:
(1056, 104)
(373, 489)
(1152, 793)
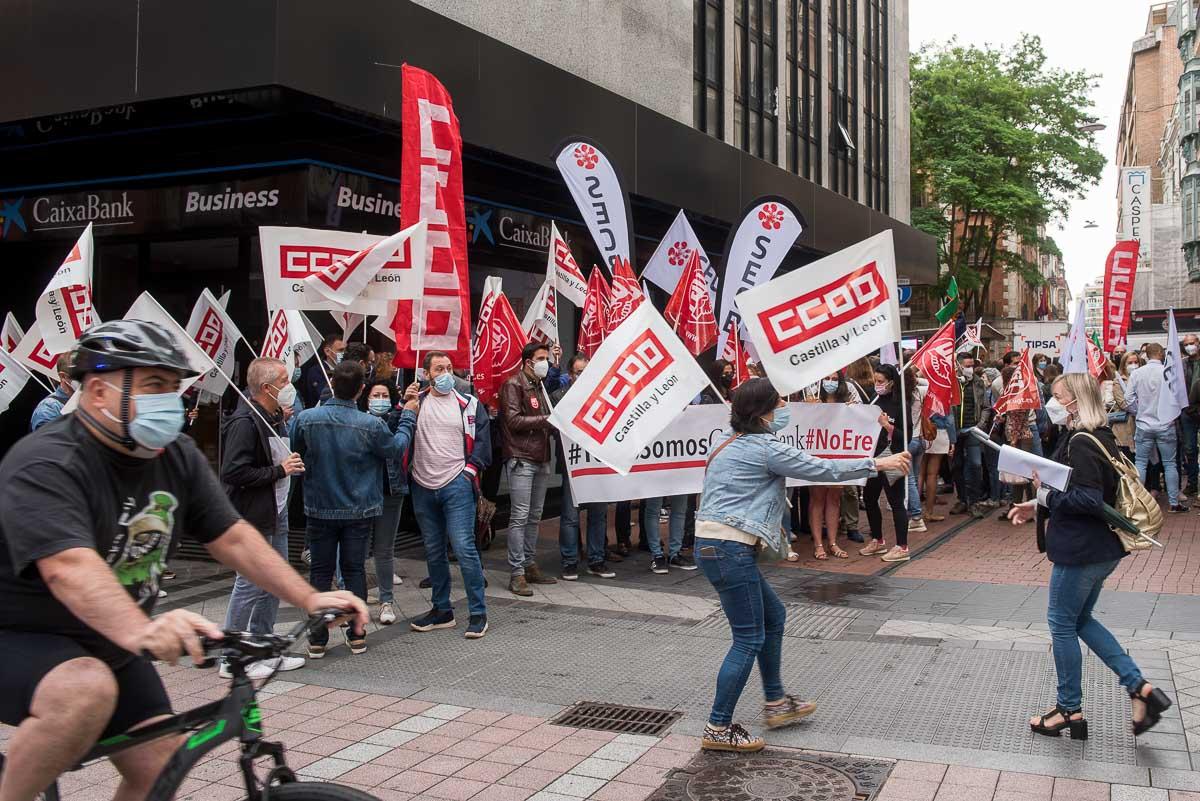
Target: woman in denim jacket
(741, 507)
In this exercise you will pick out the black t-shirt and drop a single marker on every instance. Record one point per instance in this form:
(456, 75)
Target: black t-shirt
(61, 488)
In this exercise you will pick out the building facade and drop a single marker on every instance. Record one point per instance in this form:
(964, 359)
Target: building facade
(1093, 306)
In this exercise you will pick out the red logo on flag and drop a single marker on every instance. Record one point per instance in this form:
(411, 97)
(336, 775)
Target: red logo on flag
(77, 301)
(585, 156)
(42, 356)
(301, 261)
(677, 254)
(277, 337)
(211, 333)
(771, 216)
(643, 361)
(813, 313)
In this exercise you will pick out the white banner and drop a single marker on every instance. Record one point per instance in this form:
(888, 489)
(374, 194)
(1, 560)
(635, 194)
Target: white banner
(637, 382)
(563, 270)
(598, 194)
(1136, 209)
(816, 320)
(287, 333)
(32, 352)
(217, 335)
(385, 270)
(64, 309)
(13, 377)
(754, 252)
(832, 431)
(11, 334)
(541, 319)
(291, 255)
(669, 260)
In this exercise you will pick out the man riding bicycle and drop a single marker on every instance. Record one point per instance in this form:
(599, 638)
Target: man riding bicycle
(88, 507)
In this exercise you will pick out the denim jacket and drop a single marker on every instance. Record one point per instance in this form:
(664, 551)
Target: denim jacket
(744, 484)
(345, 452)
(49, 408)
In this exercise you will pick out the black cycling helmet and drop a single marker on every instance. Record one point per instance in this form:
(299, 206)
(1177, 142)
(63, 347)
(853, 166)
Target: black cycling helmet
(122, 344)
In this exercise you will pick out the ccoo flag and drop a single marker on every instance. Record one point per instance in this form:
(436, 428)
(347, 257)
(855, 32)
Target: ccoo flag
(13, 377)
(11, 334)
(593, 323)
(563, 270)
(541, 319)
(217, 335)
(360, 276)
(690, 310)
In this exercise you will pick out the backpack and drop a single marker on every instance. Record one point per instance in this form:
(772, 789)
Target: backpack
(1134, 501)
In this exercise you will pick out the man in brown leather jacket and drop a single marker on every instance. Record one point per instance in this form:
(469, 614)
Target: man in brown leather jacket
(525, 444)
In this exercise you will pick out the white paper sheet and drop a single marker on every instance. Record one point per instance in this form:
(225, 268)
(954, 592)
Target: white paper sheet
(1022, 463)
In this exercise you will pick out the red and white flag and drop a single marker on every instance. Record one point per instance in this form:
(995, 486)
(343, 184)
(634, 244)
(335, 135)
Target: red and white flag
(1120, 271)
(935, 360)
(562, 268)
(1022, 391)
(541, 319)
(431, 189)
(287, 335)
(972, 337)
(497, 353)
(637, 383)
(148, 310)
(13, 377)
(593, 325)
(217, 335)
(11, 334)
(626, 296)
(347, 280)
(1095, 360)
(734, 352)
(36, 357)
(64, 310)
(291, 256)
(690, 310)
(670, 259)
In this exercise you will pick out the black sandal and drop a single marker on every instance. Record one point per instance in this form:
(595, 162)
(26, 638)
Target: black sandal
(1079, 728)
(1156, 703)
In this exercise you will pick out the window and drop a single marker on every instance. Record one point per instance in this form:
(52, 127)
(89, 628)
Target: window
(708, 90)
(804, 88)
(755, 78)
(875, 106)
(843, 94)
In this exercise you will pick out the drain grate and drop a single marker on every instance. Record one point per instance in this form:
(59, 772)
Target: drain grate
(617, 718)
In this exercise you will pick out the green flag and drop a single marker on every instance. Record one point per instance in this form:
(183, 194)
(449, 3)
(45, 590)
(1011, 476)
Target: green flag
(1096, 340)
(947, 312)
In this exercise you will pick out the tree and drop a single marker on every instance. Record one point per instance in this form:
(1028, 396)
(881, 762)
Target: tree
(996, 153)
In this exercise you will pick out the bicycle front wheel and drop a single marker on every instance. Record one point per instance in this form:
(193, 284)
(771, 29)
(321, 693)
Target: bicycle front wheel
(316, 791)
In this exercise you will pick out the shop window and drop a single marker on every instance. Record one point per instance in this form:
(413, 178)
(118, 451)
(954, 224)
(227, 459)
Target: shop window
(803, 23)
(708, 86)
(755, 78)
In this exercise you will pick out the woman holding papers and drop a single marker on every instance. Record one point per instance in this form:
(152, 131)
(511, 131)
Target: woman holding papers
(892, 439)
(1084, 551)
(739, 513)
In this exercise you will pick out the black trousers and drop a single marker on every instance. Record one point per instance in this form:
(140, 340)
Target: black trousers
(877, 484)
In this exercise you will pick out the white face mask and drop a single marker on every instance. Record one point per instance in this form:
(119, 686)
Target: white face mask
(541, 369)
(286, 396)
(1192, 350)
(1057, 413)
(1132, 366)
(968, 373)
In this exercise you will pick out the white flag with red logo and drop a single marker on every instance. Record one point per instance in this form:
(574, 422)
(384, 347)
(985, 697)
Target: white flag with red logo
(13, 377)
(935, 360)
(1022, 391)
(626, 295)
(32, 352)
(64, 310)
(497, 353)
(671, 257)
(972, 337)
(592, 180)
(734, 352)
(541, 319)
(690, 310)
(287, 335)
(11, 334)
(360, 277)
(593, 324)
(639, 381)
(147, 309)
(563, 270)
(815, 320)
(217, 335)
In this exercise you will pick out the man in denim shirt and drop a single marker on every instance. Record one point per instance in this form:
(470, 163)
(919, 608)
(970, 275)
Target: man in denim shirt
(51, 406)
(345, 454)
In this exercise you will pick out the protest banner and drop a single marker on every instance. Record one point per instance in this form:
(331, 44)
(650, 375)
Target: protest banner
(832, 431)
(361, 275)
(592, 180)
(64, 309)
(639, 380)
(670, 258)
(1120, 272)
(816, 320)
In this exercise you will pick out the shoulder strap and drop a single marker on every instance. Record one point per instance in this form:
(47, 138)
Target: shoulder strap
(720, 448)
(1111, 459)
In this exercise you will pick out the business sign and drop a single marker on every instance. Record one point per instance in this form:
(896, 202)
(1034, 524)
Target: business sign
(1040, 336)
(1135, 208)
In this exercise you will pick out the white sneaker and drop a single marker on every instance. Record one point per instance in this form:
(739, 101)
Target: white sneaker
(387, 614)
(268, 667)
(162, 593)
(917, 525)
(224, 672)
(397, 580)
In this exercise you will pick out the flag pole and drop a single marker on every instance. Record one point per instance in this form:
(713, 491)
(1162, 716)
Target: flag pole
(904, 411)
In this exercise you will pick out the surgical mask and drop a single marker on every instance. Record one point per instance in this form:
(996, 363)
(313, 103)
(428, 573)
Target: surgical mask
(1191, 349)
(286, 396)
(1041, 365)
(295, 374)
(379, 406)
(158, 419)
(783, 416)
(883, 389)
(1132, 366)
(541, 369)
(828, 386)
(444, 383)
(1057, 413)
(968, 373)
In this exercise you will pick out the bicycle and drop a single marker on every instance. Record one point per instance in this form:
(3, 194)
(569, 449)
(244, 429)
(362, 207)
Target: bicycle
(237, 715)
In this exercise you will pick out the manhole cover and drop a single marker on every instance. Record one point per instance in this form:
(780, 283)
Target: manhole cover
(775, 775)
(614, 717)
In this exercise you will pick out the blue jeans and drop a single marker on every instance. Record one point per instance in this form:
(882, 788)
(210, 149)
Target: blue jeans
(568, 528)
(1144, 443)
(343, 542)
(756, 617)
(916, 447)
(968, 475)
(448, 515)
(1073, 593)
(650, 511)
(250, 608)
(383, 545)
(1190, 429)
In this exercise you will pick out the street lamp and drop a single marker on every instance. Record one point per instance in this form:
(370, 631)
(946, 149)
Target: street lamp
(1090, 224)
(1092, 127)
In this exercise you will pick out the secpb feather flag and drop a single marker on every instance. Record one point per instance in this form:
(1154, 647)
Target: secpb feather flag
(592, 180)
(1120, 272)
(690, 310)
(431, 189)
(593, 324)
(639, 381)
(11, 334)
(287, 335)
(13, 378)
(670, 259)
(1022, 391)
(734, 352)
(935, 360)
(541, 319)
(815, 320)
(626, 295)
(217, 335)
(347, 279)
(563, 270)
(64, 309)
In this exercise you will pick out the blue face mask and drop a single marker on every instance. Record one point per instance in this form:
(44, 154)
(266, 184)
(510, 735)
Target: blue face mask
(379, 406)
(158, 419)
(444, 383)
(828, 386)
(783, 416)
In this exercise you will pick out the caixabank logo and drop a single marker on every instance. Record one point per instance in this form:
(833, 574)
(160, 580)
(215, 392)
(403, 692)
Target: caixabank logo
(11, 217)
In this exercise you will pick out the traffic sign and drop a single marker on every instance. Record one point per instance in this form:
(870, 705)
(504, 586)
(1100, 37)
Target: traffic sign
(905, 294)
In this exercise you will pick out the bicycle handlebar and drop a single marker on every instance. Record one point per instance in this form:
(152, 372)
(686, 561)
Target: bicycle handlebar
(264, 646)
